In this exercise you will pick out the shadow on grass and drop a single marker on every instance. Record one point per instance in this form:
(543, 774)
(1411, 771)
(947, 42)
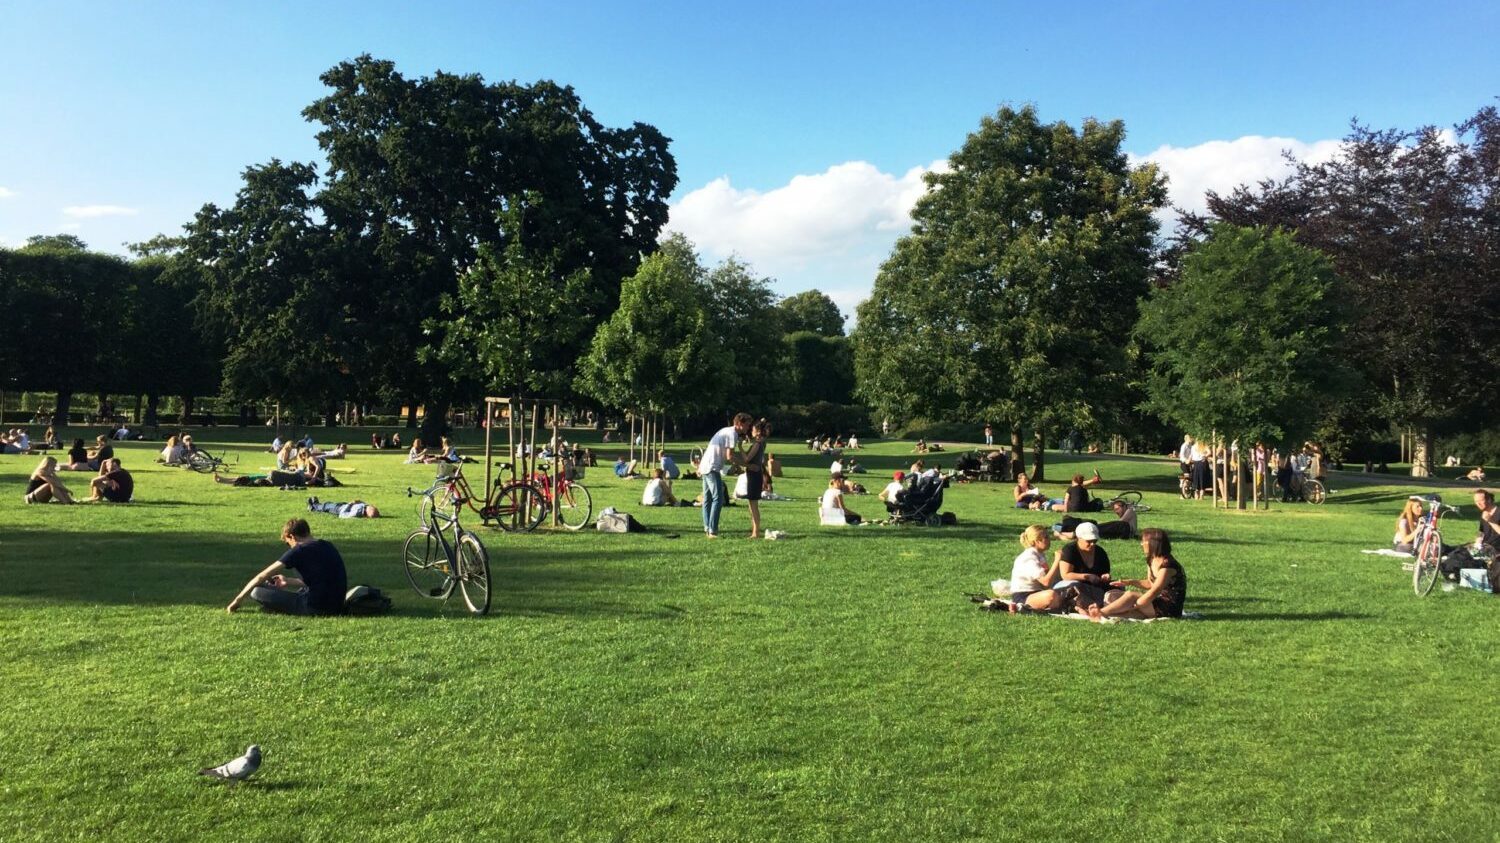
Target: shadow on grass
(1286, 616)
(207, 569)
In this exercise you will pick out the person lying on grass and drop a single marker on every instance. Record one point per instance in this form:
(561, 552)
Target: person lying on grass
(45, 486)
(349, 509)
(1031, 578)
(113, 484)
(1164, 588)
(1086, 564)
(320, 591)
(1123, 527)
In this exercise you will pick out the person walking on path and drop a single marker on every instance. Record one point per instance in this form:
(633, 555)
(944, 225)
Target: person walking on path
(989, 437)
(719, 453)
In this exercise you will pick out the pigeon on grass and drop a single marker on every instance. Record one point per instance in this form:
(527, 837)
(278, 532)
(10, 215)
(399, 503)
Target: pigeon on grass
(237, 770)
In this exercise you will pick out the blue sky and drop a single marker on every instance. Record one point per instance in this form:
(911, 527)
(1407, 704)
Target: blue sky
(800, 129)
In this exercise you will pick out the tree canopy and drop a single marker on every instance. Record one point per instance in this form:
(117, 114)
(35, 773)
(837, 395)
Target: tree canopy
(1248, 340)
(811, 310)
(1411, 219)
(1014, 296)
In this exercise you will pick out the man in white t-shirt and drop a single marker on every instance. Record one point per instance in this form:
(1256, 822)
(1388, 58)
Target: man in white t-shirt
(892, 491)
(658, 491)
(718, 454)
(837, 467)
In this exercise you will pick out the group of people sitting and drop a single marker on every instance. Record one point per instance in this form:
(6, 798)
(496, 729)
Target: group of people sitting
(112, 483)
(925, 447)
(833, 446)
(296, 467)
(1079, 578)
(1483, 553)
(446, 452)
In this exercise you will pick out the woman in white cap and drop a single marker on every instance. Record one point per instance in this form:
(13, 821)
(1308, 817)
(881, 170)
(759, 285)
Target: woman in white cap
(1086, 564)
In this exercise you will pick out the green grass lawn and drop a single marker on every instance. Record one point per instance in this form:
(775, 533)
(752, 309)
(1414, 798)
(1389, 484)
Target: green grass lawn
(836, 685)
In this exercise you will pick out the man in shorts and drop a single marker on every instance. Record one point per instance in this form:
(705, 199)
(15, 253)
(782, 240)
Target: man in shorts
(323, 582)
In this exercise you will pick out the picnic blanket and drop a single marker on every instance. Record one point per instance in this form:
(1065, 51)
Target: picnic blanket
(1388, 551)
(997, 604)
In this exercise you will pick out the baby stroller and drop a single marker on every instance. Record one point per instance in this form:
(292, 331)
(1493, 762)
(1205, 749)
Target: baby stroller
(921, 502)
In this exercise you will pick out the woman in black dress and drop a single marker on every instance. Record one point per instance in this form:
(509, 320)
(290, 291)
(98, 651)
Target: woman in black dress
(1165, 586)
(755, 473)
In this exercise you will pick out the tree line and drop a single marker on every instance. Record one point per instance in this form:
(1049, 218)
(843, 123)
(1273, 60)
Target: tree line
(466, 238)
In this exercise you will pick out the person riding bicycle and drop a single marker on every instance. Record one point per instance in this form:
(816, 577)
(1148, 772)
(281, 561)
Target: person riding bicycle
(1485, 552)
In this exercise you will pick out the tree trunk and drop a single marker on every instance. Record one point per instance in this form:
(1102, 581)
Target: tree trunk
(140, 417)
(434, 423)
(244, 415)
(1421, 453)
(411, 412)
(153, 402)
(187, 411)
(1038, 459)
(1017, 452)
(60, 412)
(330, 415)
(1239, 481)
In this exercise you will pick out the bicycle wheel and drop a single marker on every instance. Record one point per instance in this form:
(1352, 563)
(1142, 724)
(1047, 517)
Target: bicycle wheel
(1313, 492)
(427, 566)
(424, 510)
(1131, 498)
(519, 507)
(201, 462)
(575, 506)
(1425, 571)
(474, 573)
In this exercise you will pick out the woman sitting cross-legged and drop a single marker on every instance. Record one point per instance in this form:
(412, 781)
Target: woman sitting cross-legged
(45, 486)
(1165, 586)
(1031, 578)
(831, 508)
(1086, 564)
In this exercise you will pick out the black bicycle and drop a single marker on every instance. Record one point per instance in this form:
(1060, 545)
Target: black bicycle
(442, 556)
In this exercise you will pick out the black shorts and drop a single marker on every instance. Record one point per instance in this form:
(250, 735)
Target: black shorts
(755, 482)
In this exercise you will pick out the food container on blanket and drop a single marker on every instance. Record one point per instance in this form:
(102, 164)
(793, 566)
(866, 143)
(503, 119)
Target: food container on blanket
(1474, 578)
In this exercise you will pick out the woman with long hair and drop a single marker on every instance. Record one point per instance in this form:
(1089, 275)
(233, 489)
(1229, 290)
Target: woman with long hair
(44, 484)
(1164, 589)
(1407, 526)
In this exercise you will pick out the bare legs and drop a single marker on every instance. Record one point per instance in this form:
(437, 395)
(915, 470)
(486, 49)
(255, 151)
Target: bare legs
(754, 518)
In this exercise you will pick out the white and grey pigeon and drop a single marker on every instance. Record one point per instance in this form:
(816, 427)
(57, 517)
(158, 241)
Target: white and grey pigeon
(237, 770)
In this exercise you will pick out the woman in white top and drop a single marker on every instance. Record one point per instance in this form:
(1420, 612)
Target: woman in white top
(1031, 578)
(832, 505)
(174, 453)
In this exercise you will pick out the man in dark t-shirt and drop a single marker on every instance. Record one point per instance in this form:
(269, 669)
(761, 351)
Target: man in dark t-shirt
(323, 583)
(1077, 498)
(113, 484)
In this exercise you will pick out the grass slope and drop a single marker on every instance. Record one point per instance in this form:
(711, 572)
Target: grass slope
(833, 686)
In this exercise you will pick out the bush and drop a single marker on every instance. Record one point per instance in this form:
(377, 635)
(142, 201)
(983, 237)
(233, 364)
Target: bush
(950, 431)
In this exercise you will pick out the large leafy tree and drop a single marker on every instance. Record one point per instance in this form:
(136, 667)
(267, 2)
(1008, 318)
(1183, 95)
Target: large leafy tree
(275, 288)
(811, 310)
(747, 327)
(658, 353)
(423, 173)
(1248, 340)
(1411, 219)
(1015, 294)
(823, 367)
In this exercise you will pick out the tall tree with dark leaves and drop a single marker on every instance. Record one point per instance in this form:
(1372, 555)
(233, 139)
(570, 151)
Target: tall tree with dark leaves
(424, 172)
(1014, 296)
(1411, 219)
(748, 327)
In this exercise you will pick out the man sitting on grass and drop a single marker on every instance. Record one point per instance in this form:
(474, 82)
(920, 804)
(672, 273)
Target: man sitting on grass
(658, 491)
(321, 589)
(350, 509)
(114, 484)
(1486, 545)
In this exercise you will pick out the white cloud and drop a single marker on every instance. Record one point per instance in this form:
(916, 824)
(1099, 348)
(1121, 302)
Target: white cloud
(1221, 166)
(811, 218)
(92, 211)
(6, 193)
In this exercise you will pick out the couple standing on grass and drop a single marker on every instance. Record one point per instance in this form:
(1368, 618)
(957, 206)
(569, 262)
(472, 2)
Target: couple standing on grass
(722, 450)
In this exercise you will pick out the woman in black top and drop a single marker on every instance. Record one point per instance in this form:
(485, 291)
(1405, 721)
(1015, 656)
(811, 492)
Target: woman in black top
(78, 457)
(1084, 562)
(1165, 584)
(755, 472)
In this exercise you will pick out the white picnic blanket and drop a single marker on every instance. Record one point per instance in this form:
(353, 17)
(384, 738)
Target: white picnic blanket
(1186, 616)
(1388, 551)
